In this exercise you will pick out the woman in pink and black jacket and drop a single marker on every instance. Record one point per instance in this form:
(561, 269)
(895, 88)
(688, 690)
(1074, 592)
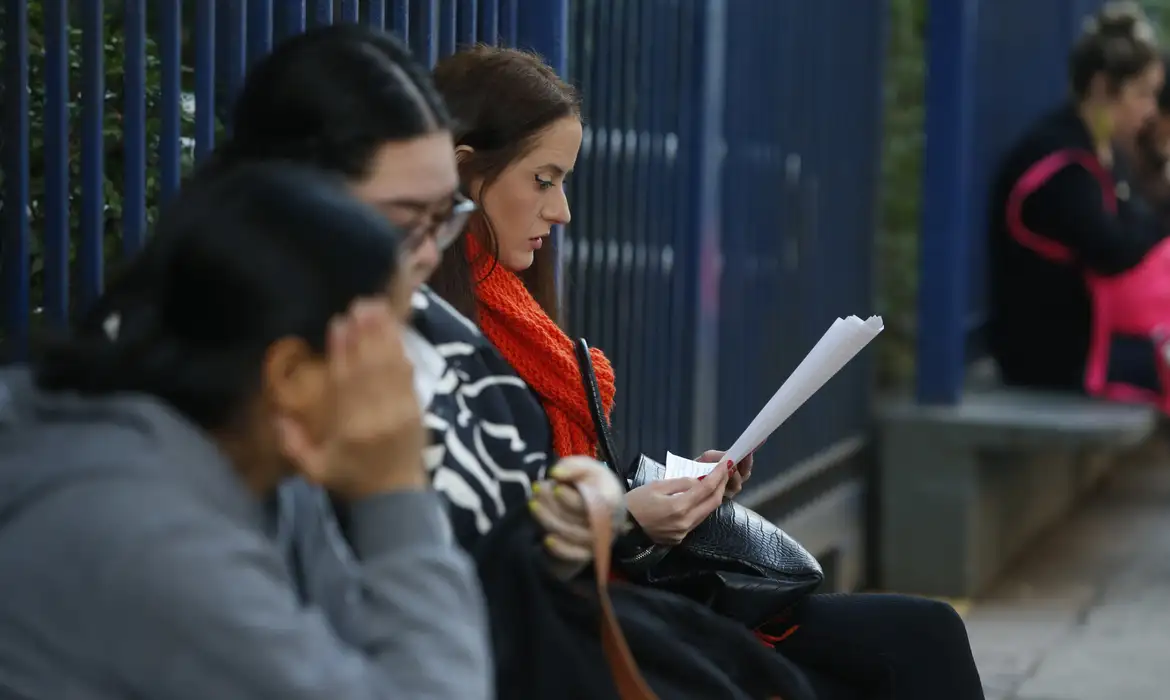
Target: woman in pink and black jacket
(1079, 281)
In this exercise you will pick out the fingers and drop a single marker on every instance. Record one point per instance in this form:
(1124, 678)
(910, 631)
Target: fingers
(572, 530)
(570, 500)
(744, 471)
(704, 490)
(710, 456)
(365, 335)
(568, 552)
(569, 470)
(377, 342)
(337, 347)
(593, 478)
(670, 487)
(702, 500)
(707, 506)
(734, 485)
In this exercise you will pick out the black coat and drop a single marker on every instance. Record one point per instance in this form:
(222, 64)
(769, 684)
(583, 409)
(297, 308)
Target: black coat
(546, 640)
(1041, 313)
(492, 438)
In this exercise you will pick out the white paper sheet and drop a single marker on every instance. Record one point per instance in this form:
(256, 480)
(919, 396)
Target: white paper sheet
(840, 344)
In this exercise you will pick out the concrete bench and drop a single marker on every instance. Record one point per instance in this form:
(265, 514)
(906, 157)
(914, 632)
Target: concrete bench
(965, 488)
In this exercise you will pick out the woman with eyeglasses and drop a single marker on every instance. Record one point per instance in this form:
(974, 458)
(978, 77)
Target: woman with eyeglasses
(352, 101)
(393, 147)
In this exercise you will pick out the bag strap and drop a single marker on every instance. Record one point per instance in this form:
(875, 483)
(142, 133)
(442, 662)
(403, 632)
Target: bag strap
(622, 665)
(596, 410)
(636, 551)
(1035, 177)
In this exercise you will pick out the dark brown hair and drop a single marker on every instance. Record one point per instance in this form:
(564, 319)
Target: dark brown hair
(1118, 42)
(501, 100)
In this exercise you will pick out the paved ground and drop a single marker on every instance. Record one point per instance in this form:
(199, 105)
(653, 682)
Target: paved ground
(1087, 615)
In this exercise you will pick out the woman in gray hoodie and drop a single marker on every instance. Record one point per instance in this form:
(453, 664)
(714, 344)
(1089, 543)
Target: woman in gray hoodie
(257, 337)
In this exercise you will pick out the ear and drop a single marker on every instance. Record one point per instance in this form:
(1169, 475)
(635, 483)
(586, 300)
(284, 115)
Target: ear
(294, 377)
(470, 187)
(1102, 87)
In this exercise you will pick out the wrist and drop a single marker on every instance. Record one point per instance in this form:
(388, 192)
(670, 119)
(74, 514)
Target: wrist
(394, 482)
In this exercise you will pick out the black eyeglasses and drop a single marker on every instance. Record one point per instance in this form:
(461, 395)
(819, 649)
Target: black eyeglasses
(444, 225)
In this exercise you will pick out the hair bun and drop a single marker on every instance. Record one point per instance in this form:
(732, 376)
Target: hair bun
(1121, 19)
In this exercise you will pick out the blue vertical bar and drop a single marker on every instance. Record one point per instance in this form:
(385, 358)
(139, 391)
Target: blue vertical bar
(682, 43)
(543, 26)
(607, 102)
(400, 19)
(946, 209)
(56, 140)
(349, 11)
(879, 55)
(424, 22)
(170, 49)
(509, 21)
(289, 18)
(259, 24)
(447, 28)
(93, 161)
(134, 127)
(376, 13)
(706, 190)
(575, 300)
(489, 21)
(234, 52)
(14, 272)
(322, 12)
(467, 23)
(204, 79)
(645, 219)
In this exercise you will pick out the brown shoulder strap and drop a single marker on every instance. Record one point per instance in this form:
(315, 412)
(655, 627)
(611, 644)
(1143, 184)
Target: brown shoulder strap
(628, 679)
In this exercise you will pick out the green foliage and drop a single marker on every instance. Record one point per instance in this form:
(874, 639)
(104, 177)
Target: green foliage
(902, 182)
(112, 130)
(1160, 14)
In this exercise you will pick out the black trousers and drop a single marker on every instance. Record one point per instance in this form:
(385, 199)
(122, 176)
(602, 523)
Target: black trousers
(882, 647)
(1134, 361)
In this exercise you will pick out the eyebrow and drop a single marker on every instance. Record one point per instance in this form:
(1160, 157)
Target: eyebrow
(554, 169)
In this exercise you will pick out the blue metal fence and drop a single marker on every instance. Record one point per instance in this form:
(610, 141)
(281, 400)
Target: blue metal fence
(713, 185)
(994, 67)
(630, 260)
(724, 202)
(151, 80)
(799, 208)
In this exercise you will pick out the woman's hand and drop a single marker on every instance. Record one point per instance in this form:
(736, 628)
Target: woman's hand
(738, 475)
(557, 504)
(669, 509)
(374, 439)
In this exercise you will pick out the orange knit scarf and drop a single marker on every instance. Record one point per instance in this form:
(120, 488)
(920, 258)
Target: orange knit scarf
(540, 352)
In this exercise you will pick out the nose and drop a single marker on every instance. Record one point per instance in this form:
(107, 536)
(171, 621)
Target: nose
(557, 208)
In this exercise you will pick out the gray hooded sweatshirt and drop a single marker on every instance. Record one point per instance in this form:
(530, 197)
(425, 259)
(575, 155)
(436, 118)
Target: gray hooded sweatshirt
(134, 564)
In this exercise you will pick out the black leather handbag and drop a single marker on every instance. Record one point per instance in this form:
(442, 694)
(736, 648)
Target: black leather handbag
(736, 561)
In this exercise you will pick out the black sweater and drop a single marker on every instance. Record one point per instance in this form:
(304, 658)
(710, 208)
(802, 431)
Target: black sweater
(1040, 310)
